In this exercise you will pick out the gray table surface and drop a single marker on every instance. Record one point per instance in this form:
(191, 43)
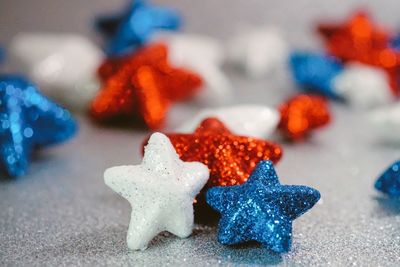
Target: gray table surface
(61, 213)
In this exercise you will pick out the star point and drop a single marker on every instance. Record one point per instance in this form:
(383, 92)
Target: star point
(28, 120)
(160, 190)
(142, 85)
(133, 28)
(230, 157)
(261, 209)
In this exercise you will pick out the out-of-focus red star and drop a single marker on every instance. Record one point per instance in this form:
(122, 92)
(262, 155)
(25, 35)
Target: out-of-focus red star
(359, 39)
(230, 158)
(142, 85)
(302, 114)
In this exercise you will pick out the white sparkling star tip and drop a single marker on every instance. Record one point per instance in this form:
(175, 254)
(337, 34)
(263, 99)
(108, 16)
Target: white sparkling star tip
(161, 191)
(258, 51)
(63, 65)
(385, 122)
(203, 55)
(363, 86)
(247, 120)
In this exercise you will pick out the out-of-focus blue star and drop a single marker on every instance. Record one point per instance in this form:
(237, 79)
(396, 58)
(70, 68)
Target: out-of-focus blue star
(389, 181)
(130, 30)
(315, 72)
(261, 209)
(28, 120)
(394, 43)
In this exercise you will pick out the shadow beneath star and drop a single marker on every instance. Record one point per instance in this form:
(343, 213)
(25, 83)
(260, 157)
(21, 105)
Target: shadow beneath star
(251, 253)
(388, 206)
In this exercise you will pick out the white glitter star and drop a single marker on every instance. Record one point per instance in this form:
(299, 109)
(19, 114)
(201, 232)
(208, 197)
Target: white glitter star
(247, 120)
(203, 55)
(161, 191)
(363, 86)
(258, 51)
(63, 65)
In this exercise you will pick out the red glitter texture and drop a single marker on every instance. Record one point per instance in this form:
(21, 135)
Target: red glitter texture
(359, 39)
(302, 114)
(230, 158)
(142, 85)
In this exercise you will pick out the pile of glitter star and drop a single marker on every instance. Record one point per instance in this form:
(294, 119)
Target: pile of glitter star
(219, 164)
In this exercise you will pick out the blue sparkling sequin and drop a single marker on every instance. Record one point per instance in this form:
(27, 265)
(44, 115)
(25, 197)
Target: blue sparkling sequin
(261, 209)
(314, 72)
(389, 181)
(28, 120)
(132, 29)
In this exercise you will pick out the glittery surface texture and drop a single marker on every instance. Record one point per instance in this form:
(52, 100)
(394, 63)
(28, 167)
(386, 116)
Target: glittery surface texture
(142, 85)
(360, 39)
(315, 71)
(302, 114)
(63, 213)
(230, 158)
(261, 209)
(389, 181)
(160, 190)
(28, 120)
(135, 26)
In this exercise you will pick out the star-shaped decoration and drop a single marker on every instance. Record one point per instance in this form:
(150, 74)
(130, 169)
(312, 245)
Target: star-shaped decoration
(28, 120)
(260, 210)
(363, 85)
(302, 114)
(258, 50)
(135, 26)
(161, 191)
(314, 72)
(360, 39)
(63, 65)
(389, 181)
(230, 158)
(248, 120)
(203, 55)
(142, 85)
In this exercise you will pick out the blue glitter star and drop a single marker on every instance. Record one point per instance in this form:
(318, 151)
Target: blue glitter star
(394, 43)
(389, 181)
(28, 120)
(132, 29)
(261, 209)
(314, 72)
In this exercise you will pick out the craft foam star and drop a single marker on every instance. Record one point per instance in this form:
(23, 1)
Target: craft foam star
(28, 120)
(359, 39)
(258, 51)
(385, 122)
(363, 85)
(389, 181)
(247, 120)
(302, 114)
(142, 85)
(203, 55)
(260, 210)
(161, 191)
(314, 72)
(229, 157)
(63, 65)
(131, 29)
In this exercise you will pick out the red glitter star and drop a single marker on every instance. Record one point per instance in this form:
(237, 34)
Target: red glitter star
(359, 39)
(142, 85)
(230, 158)
(302, 114)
